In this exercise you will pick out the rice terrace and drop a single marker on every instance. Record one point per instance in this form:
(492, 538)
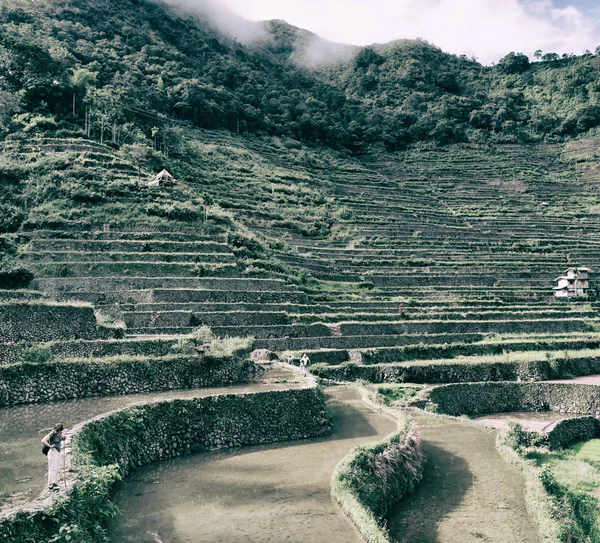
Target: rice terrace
(257, 286)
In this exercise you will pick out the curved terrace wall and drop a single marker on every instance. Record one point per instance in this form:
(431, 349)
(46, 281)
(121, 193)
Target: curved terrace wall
(373, 478)
(101, 450)
(80, 348)
(32, 383)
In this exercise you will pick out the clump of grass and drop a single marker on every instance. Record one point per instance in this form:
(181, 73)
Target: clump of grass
(184, 346)
(217, 347)
(203, 334)
(231, 346)
(37, 354)
(396, 394)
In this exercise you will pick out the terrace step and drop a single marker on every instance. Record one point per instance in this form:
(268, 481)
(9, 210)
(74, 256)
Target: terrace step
(81, 257)
(362, 341)
(127, 246)
(433, 327)
(131, 269)
(258, 332)
(183, 295)
(109, 284)
(172, 319)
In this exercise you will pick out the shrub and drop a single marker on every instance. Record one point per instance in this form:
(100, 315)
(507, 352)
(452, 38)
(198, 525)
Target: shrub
(518, 438)
(175, 211)
(185, 346)
(203, 334)
(245, 247)
(231, 346)
(13, 275)
(37, 354)
(11, 218)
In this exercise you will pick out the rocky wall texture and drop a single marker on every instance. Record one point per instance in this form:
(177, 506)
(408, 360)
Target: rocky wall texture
(33, 383)
(28, 322)
(503, 397)
(570, 431)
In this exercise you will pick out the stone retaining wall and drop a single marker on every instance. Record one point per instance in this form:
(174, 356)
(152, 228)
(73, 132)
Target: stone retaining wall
(570, 431)
(32, 383)
(39, 322)
(504, 397)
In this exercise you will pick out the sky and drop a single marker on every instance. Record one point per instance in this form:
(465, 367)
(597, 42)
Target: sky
(485, 29)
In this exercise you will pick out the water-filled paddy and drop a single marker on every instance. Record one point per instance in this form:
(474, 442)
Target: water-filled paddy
(256, 494)
(468, 494)
(22, 465)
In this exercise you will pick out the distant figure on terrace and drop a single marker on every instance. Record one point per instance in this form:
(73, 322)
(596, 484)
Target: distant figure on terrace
(53, 443)
(401, 309)
(304, 363)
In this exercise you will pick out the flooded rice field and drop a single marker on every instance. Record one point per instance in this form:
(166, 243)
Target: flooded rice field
(469, 493)
(272, 493)
(22, 465)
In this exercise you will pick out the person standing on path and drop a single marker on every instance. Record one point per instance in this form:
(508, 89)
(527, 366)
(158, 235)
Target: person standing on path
(304, 363)
(54, 443)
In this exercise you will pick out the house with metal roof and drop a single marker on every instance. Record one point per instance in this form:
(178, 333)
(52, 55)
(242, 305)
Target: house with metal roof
(574, 282)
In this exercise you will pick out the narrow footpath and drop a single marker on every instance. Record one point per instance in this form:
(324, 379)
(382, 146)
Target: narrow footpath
(276, 493)
(468, 494)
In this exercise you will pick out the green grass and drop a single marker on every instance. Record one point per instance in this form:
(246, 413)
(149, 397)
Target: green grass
(577, 467)
(396, 394)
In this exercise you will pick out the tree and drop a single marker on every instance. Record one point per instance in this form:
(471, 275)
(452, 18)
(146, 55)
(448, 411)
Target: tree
(9, 105)
(538, 54)
(550, 57)
(514, 63)
(138, 154)
(81, 79)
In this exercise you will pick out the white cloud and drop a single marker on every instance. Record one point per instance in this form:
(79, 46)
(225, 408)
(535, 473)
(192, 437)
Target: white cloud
(487, 29)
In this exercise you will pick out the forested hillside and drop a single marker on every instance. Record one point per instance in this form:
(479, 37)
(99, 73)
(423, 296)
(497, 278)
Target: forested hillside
(110, 67)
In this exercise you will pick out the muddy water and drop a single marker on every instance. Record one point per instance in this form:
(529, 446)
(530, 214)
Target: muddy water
(468, 494)
(22, 465)
(276, 493)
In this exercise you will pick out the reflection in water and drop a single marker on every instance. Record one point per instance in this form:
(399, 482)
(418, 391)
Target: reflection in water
(275, 493)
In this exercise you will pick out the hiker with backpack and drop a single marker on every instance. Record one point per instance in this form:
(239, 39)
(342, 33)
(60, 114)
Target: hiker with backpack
(52, 447)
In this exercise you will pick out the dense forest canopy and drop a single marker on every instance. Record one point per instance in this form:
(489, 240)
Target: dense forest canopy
(127, 70)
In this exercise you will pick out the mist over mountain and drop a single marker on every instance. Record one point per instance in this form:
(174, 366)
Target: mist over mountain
(299, 46)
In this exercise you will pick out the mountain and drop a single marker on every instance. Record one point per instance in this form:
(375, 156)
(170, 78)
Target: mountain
(128, 63)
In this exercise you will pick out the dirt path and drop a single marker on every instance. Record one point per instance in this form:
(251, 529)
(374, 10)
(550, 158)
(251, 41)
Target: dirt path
(534, 421)
(586, 380)
(276, 493)
(469, 494)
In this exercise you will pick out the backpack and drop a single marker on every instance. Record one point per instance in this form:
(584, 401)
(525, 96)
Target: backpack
(45, 448)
